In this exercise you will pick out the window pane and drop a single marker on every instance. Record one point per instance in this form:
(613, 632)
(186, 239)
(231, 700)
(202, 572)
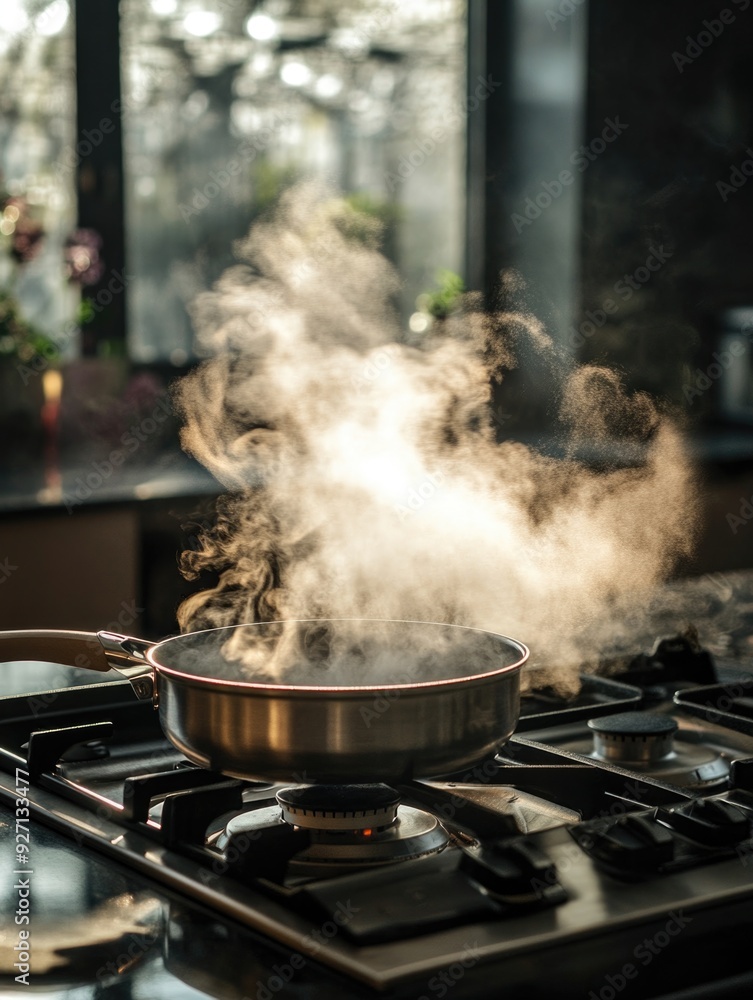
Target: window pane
(37, 172)
(38, 303)
(229, 101)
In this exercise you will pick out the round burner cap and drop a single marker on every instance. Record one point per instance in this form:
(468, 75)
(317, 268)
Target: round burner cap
(634, 724)
(633, 736)
(339, 807)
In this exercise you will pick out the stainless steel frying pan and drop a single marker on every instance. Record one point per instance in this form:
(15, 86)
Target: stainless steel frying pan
(223, 719)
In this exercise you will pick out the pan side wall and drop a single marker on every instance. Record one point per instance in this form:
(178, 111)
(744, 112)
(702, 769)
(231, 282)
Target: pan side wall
(374, 736)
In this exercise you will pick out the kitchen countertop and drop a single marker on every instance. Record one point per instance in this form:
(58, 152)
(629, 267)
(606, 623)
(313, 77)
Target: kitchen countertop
(172, 474)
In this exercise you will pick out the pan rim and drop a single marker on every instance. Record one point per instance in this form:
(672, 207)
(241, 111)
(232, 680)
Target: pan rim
(351, 690)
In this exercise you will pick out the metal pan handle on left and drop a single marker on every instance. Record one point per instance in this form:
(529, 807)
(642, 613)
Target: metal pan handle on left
(87, 650)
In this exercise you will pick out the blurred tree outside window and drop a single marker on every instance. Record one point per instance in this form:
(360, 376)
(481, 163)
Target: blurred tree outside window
(229, 101)
(37, 183)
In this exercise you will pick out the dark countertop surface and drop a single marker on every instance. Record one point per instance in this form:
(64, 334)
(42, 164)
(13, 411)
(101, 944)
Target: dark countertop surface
(172, 474)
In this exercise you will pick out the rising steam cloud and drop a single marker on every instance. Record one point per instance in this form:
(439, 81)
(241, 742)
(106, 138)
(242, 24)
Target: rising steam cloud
(365, 477)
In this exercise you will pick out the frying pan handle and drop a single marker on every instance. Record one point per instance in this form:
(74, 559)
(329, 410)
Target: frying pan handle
(76, 649)
(87, 650)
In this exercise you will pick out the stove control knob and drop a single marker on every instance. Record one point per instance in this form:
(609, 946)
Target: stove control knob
(631, 844)
(711, 822)
(514, 872)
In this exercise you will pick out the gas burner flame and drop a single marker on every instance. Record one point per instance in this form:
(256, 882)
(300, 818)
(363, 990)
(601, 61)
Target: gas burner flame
(366, 480)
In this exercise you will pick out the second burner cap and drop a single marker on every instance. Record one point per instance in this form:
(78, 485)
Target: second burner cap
(633, 736)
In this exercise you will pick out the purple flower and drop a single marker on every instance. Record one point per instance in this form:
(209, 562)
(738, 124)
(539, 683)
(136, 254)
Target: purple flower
(82, 254)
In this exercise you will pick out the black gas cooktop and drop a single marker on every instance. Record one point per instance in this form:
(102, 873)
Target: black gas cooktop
(606, 850)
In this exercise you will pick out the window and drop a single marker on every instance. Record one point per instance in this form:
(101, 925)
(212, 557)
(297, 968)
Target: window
(139, 139)
(229, 101)
(37, 177)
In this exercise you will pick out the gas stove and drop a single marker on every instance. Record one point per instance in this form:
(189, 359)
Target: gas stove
(606, 849)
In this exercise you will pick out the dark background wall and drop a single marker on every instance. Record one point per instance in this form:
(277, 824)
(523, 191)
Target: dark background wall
(690, 121)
